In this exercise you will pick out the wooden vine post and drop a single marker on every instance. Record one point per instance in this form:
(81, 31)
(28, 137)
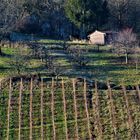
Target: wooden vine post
(9, 106)
(138, 91)
(19, 110)
(0, 87)
(52, 109)
(31, 107)
(130, 121)
(64, 105)
(97, 109)
(112, 108)
(75, 108)
(86, 107)
(41, 110)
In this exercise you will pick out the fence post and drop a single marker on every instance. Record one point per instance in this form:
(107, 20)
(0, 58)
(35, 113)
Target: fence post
(9, 106)
(41, 109)
(20, 101)
(52, 109)
(31, 102)
(98, 112)
(64, 105)
(86, 107)
(75, 108)
(111, 108)
(138, 91)
(130, 122)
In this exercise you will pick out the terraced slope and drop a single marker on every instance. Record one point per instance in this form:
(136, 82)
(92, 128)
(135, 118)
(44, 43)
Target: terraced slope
(33, 109)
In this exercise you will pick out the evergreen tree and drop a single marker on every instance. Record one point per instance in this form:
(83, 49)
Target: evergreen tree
(86, 14)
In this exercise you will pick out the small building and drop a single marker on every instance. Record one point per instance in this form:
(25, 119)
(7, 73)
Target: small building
(102, 38)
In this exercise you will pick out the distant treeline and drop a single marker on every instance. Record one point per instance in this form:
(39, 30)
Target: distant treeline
(64, 18)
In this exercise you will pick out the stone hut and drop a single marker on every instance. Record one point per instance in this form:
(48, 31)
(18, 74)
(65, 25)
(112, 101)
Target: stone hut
(102, 38)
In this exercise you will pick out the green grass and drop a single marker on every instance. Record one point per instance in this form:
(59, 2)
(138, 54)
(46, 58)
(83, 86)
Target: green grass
(103, 65)
(51, 41)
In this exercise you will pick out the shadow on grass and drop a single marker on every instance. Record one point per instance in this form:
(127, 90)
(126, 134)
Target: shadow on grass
(6, 55)
(94, 71)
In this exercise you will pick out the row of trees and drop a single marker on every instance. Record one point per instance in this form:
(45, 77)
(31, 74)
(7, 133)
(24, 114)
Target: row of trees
(61, 18)
(21, 61)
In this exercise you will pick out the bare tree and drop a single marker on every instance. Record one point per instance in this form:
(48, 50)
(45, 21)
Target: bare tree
(125, 43)
(136, 52)
(65, 45)
(18, 62)
(78, 56)
(55, 69)
(47, 58)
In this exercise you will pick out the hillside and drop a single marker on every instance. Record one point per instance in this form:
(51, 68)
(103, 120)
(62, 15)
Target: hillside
(103, 64)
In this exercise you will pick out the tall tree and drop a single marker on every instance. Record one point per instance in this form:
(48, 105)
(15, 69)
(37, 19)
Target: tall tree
(11, 11)
(124, 13)
(86, 14)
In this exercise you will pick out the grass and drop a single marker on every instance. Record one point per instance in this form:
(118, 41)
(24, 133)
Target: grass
(103, 64)
(51, 41)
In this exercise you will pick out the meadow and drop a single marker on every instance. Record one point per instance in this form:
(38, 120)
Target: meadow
(103, 64)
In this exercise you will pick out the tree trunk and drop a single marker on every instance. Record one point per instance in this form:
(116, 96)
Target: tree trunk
(98, 48)
(136, 62)
(136, 66)
(1, 44)
(126, 58)
(0, 50)
(83, 32)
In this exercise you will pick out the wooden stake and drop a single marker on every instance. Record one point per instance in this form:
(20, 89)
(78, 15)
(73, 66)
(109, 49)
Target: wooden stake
(19, 103)
(0, 87)
(31, 107)
(75, 109)
(86, 107)
(41, 110)
(111, 108)
(52, 109)
(130, 122)
(65, 113)
(98, 112)
(138, 91)
(9, 106)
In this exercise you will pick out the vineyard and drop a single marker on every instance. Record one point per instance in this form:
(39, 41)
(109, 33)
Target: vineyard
(73, 109)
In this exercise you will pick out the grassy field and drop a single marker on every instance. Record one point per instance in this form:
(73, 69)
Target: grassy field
(103, 64)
